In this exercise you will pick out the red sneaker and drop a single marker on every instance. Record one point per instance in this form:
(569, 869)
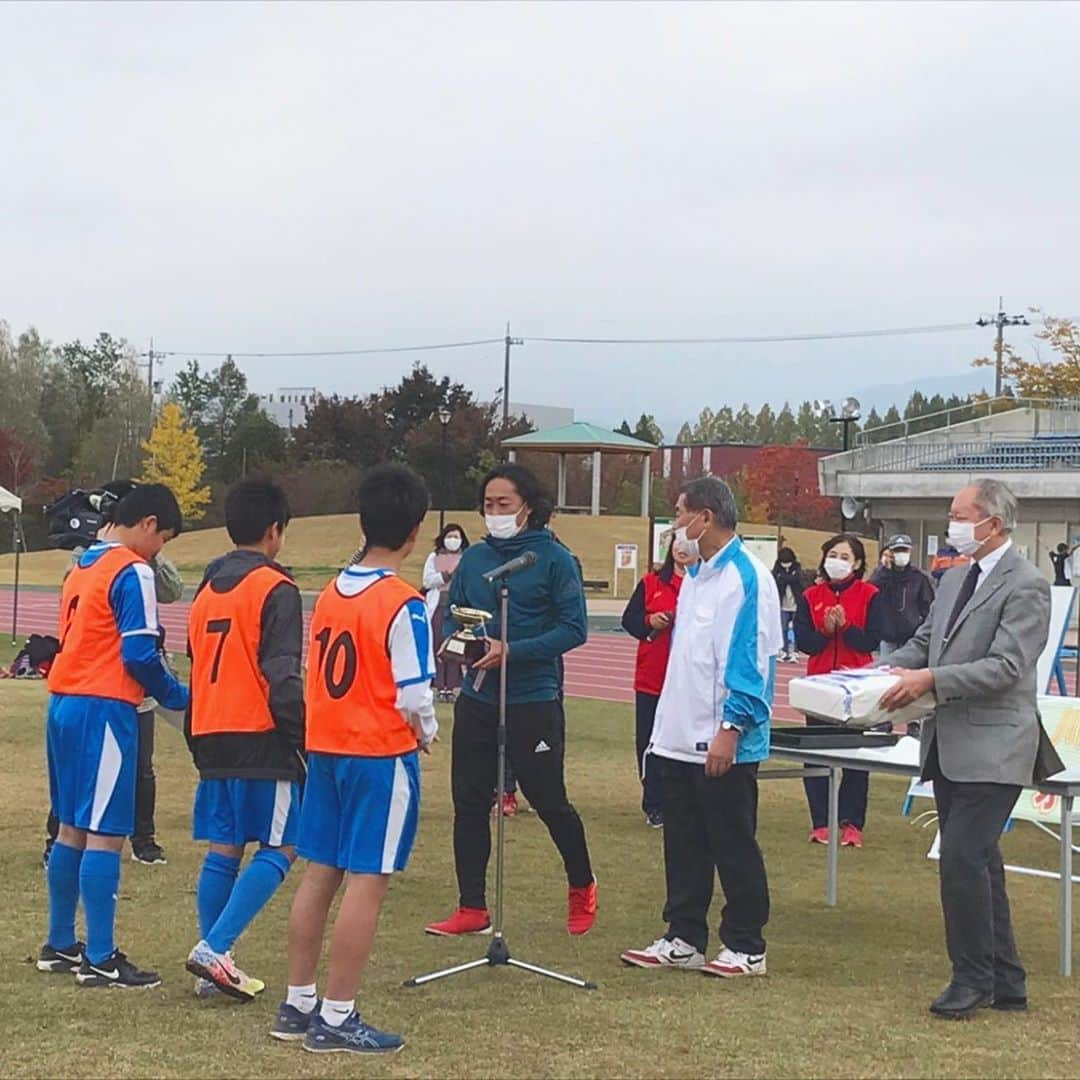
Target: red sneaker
(581, 908)
(510, 806)
(466, 920)
(819, 836)
(851, 836)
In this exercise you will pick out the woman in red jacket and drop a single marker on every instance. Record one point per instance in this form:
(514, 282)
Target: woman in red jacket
(838, 623)
(649, 616)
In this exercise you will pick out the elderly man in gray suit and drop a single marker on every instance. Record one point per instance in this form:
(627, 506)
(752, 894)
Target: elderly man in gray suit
(977, 652)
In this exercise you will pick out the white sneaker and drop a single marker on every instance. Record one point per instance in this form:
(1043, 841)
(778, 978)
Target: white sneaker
(733, 965)
(663, 953)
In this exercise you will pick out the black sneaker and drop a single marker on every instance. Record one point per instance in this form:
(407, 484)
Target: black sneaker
(147, 852)
(655, 820)
(116, 971)
(61, 961)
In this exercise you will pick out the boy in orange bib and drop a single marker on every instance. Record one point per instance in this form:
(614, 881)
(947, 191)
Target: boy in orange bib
(245, 728)
(370, 711)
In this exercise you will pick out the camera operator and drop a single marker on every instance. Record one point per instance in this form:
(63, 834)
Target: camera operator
(168, 587)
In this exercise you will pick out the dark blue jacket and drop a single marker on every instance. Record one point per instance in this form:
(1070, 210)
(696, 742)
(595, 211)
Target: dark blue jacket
(547, 613)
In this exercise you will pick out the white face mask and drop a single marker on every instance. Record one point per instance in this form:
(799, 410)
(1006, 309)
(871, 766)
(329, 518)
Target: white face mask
(838, 569)
(502, 526)
(687, 548)
(785, 566)
(962, 536)
(901, 559)
(452, 542)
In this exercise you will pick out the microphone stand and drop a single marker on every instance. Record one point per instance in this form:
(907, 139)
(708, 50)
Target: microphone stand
(498, 953)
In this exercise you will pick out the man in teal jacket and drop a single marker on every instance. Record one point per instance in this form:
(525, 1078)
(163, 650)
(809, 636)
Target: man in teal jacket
(546, 620)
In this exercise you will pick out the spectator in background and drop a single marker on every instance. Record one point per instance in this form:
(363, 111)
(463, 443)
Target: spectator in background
(650, 617)
(905, 594)
(838, 625)
(438, 572)
(788, 575)
(946, 558)
(1062, 560)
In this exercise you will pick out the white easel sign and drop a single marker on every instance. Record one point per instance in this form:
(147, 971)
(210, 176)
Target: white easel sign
(625, 559)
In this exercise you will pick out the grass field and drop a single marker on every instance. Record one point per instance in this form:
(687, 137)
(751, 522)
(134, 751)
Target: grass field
(846, 993)
(317, 547)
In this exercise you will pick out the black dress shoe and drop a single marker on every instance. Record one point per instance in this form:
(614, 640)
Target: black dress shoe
(960, 1002)
(1009, 1003)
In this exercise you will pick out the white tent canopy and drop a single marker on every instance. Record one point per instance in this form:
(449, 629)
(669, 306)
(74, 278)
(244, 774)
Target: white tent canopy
(9, 501)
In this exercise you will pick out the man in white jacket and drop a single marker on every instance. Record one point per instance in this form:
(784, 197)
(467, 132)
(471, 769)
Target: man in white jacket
(711, 730)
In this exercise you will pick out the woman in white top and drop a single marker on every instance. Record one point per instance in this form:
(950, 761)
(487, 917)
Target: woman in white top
(438, 571)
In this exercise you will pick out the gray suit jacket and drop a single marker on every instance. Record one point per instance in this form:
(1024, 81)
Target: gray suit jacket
(986, 725)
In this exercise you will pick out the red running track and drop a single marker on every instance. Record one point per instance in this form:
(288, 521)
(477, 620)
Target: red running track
(602, 669)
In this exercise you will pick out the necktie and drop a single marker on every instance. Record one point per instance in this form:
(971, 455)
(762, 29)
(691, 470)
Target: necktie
(965, 594)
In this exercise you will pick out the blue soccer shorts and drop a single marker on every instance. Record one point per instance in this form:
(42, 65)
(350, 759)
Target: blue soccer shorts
(360, 814)
(92, 748)
(239, 811)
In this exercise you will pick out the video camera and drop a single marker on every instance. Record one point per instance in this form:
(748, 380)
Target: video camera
(76, 518)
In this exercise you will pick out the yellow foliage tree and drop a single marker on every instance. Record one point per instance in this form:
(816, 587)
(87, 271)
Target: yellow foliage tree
(174, 457)
(1038, 378)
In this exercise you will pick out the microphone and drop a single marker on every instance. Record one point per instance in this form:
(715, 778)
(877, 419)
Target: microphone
(526, 558)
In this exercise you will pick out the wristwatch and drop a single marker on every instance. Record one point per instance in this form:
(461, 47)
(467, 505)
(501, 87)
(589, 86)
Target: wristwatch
(727, 725)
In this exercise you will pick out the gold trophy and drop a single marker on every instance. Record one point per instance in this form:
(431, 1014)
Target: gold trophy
(469, 643)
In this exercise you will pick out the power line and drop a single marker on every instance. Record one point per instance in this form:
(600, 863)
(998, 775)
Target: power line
(896, 332)
(937, 328)
(335, 352)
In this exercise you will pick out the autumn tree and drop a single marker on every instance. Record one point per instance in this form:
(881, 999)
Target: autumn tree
(1055, 378)
(780, 486)
(174, 457)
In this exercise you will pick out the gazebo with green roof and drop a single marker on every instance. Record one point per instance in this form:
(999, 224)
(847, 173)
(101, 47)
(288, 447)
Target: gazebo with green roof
(585, 439)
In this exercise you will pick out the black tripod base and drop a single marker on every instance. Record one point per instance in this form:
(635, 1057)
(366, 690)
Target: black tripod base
(498, 955)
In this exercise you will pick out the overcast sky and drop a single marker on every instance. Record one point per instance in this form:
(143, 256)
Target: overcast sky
(272, 177)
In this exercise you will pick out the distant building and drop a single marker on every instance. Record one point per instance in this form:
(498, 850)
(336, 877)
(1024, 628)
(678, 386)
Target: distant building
(905, 485)
(543, 417)
(680, 462)
(288, 406)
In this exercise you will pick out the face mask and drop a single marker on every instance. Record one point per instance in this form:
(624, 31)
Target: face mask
(785, 566)
(901, 559)
(962, 536)
(838, 569)
(502, 526)
(452, 543)
(689, 549)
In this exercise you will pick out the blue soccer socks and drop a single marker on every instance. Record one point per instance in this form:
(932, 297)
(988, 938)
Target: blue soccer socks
(215, 886)
(63, 878)
(99, 882)
(252, 891)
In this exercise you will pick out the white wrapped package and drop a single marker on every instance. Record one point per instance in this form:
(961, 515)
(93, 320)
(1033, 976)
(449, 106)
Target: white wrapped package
(851, 697)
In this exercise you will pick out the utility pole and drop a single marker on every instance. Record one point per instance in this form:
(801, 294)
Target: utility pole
(151, 356)
(506, 376)
(1001, 320)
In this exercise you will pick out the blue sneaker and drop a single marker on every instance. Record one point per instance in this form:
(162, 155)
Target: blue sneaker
(290, 1024)
(354, 1037)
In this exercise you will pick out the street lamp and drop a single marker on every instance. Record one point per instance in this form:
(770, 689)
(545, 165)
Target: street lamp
(445, 415)
(847, 412)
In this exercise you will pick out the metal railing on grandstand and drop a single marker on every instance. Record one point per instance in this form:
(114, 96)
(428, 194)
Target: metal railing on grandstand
(1063, 417)
(1054, 452)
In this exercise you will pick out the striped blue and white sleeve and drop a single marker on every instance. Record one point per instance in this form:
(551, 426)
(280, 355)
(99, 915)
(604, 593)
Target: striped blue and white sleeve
(412, 661)
(134, 604)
